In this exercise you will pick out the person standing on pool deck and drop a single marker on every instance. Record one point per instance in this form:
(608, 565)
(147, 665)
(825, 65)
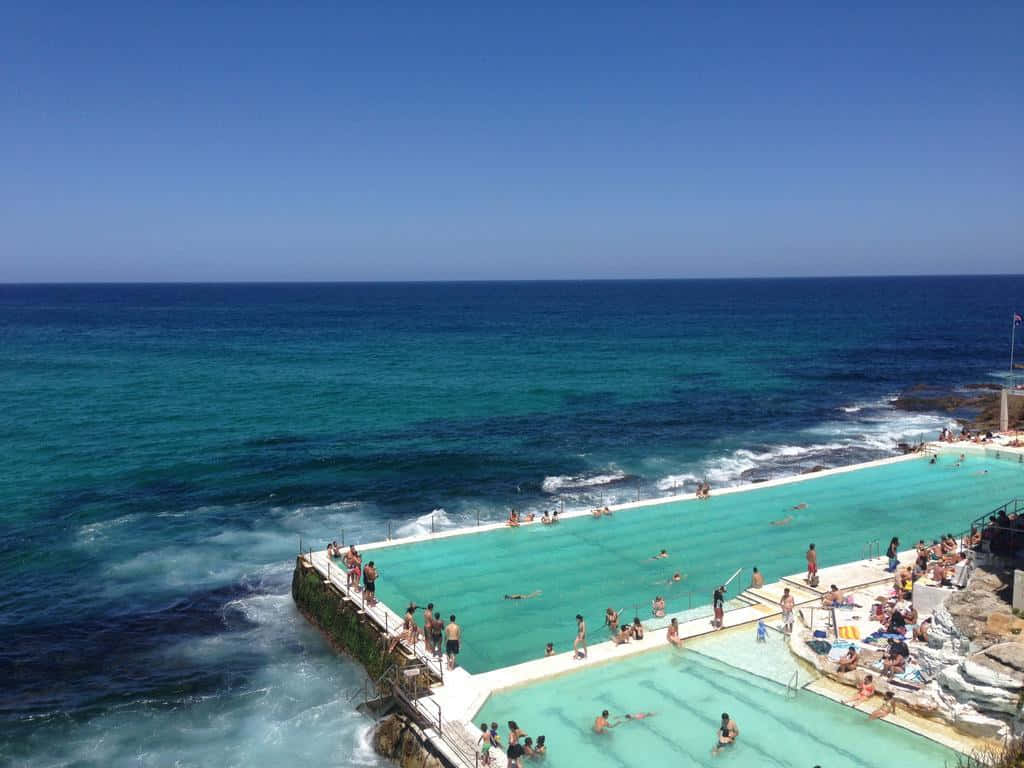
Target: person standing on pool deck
(788, 604)
(581, 639)
(812, 564)
(370, 583)
(453, 633)
(893, 553)
(428, 627)
(718, 601)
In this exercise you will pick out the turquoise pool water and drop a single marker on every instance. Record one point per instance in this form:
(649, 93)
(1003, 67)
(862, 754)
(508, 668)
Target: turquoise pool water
(584, 565)
(688, 692)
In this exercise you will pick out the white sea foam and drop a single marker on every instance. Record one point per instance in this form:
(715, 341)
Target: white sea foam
(555, 483)
(433, 521)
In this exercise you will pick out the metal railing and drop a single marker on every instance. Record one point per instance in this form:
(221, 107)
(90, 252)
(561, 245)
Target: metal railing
(793, 686)
(871, 550)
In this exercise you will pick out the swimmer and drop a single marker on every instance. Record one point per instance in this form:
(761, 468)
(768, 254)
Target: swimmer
(727, 733)
(641, 715)
(784, 521)
(801, 505)
(517, 596)
(602, 723)
(660, 556)
(676, 578)
(607, 512)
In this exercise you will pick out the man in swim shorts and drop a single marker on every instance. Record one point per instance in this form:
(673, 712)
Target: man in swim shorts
(453, 635)
(788, 604)
(812, 564)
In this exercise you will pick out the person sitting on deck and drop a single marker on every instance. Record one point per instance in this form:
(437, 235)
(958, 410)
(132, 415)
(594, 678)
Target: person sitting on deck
(637, 629)
(623, 635)
(832, 598)
(606, 512)
(849, 661)
(756, 579)
(596, 512)
(865, 690)
(513, 519)
(658, 606)
(888, 707)
(896, 660)
(545, 519)
(554, 517)
(673, 634)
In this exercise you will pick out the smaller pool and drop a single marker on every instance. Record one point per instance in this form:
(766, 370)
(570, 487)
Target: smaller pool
(739, 648)
(688, 691)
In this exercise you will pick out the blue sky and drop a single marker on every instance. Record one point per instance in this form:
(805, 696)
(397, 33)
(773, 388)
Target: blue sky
(217, 142)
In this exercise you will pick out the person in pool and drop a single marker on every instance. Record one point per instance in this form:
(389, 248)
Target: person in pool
(518, 596)
(728, 732)
(549, 649)
(602, 723)
(545, 518)
(658, 606)
(784, 521)
(661, 555)
(641, 715)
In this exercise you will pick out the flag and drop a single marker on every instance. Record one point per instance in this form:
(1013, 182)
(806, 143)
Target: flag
(1017, 319)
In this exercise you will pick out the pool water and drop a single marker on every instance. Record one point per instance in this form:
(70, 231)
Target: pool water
(585, 565)
(688, 692)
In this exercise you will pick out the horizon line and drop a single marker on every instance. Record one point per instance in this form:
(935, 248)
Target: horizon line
(482, 281)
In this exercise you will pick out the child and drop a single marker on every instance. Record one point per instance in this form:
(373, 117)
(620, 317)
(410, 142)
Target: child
(485, 744)
(762, 632)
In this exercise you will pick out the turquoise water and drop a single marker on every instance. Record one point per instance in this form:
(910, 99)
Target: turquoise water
(688, 692)
(166, 446)
(585, 565)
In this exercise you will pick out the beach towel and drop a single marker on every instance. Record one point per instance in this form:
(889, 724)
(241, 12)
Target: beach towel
(849, 632)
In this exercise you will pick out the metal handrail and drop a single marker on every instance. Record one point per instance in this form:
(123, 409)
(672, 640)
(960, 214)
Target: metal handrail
(793, 684)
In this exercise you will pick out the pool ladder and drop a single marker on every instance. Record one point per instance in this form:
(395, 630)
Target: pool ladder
(871, 550)
(793, 686)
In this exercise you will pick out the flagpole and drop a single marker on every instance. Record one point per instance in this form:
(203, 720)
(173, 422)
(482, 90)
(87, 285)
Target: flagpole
(1013, 333)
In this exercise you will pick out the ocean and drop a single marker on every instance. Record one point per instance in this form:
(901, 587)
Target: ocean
(166, 448)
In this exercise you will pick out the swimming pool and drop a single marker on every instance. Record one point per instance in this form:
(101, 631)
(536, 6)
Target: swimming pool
(584, 565)
(688, 692)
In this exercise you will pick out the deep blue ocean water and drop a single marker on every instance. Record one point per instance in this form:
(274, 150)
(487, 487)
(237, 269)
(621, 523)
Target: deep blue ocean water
(166, 446)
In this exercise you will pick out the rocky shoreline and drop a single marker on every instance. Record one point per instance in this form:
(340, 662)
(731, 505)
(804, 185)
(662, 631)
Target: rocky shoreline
(974, 661)
(975, 406)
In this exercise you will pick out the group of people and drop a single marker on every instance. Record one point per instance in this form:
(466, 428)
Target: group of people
(520, 745)
(601, 512)
(515, 519)
(1003, 534)
(353, 563)
(704, 490)
(946, 435)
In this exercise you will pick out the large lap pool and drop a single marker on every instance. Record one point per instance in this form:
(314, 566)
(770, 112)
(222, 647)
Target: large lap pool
(688, 692)
(584, 565)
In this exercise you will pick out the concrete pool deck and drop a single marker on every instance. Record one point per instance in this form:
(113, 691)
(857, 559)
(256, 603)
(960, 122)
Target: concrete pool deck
(461, 695)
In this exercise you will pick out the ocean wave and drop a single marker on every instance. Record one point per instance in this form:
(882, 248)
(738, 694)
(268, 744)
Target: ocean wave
(433, 521)
(556, 483)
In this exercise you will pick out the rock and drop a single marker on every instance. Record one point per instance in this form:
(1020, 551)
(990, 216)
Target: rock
(974, 723)
(999, 623)
(982, 697)
(984, 671)
(1008, 655)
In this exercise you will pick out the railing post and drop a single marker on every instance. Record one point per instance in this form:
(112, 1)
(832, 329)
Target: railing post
(431, 522)
(389, 530)
(478, 517)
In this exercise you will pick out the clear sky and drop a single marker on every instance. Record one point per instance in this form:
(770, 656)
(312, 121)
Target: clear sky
(210, 141)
